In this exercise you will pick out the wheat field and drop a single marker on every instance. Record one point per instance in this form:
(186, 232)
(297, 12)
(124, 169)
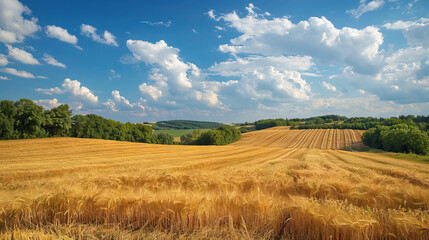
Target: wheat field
(272, 184)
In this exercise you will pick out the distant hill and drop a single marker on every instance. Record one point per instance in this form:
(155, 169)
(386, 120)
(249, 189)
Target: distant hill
(185, 124)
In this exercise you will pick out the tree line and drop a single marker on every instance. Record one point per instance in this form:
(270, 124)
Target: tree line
(25, 119)
(221, 136)
(398, 138)
(184, 124)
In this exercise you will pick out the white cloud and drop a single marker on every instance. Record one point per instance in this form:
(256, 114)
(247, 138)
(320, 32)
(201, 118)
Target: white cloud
(120, 99)
(172, 79)
(62, 35)
(50, 91)
(404, 25)
(247, 65)
(90, 31)
(416, 32)
(3, 60)
(164, 57)
(48, 103)
(41, 77)
(150, 90)
(212, 15)
(18, 73)
(165, 24)
(22, 55)
(4, 78)
(402, 79)
(330, 87)
(316, 37)
(365, 6)
(266, 85)
(74, 87)
(13, 26)
(395, 87)
(111, 105)
(113, 74)
(121, 103)
(52, 61)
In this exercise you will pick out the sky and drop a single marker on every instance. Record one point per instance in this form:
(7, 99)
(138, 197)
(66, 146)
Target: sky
(226, 61)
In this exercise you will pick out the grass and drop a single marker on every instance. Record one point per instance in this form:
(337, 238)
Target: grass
(403, 156)
(179, 132)
(256, 188)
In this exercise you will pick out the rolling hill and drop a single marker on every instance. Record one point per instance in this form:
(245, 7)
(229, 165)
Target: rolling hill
(275, 183)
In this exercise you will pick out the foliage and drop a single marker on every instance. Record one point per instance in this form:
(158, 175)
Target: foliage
(58, 121)
(179, 132)
(398, 138)
(268, 123)
(221, 136)
(243, 129)
(365, 123)
(185, 124)
(25, 119)
(94, 126)
(190, 137)
(162, 138)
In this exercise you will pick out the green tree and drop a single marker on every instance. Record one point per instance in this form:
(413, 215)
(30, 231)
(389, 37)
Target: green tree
(163, 138)
(7, 120)
(29, 119)
(58, 121)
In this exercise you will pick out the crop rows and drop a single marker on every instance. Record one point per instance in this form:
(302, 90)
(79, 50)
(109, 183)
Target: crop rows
(283, 137)
(275, 183)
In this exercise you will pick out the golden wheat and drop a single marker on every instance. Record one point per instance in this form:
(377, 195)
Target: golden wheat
(275, 183)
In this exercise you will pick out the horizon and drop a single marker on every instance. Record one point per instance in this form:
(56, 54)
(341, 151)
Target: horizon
(226, 62)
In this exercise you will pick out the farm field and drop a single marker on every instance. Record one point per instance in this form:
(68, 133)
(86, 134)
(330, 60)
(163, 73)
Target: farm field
(275, 183)
(177, 133)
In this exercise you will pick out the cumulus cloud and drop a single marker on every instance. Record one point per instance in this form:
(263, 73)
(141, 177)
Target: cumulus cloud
(120, 99)
(18, 73)
(52, 61)
(172, 79)
(165, 58)
(150, 90)
(3, 60)
(365, 6)
(328, 86)
(22, 55)
(247, 65)
(4, 78)
(62, 35)
(316, 37)
(119, 102)
(50, 91)
(90, 31)
(13, 26)
(403, 79)
(74, 87)
(111, 105)
(48, 103)
(79, 94)
(416, 32)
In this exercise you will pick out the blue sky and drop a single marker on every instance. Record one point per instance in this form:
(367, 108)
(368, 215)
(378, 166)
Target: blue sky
(228, 61)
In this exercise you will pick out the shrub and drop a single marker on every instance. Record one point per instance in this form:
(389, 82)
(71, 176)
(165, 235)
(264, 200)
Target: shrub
(398, 138)
(163, 138)
(221, 136)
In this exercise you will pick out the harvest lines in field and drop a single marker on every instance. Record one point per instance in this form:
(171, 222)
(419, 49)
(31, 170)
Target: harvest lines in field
(274, 183)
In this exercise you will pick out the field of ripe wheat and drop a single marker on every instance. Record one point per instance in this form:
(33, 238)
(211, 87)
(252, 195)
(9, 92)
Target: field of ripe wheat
(272, 184)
